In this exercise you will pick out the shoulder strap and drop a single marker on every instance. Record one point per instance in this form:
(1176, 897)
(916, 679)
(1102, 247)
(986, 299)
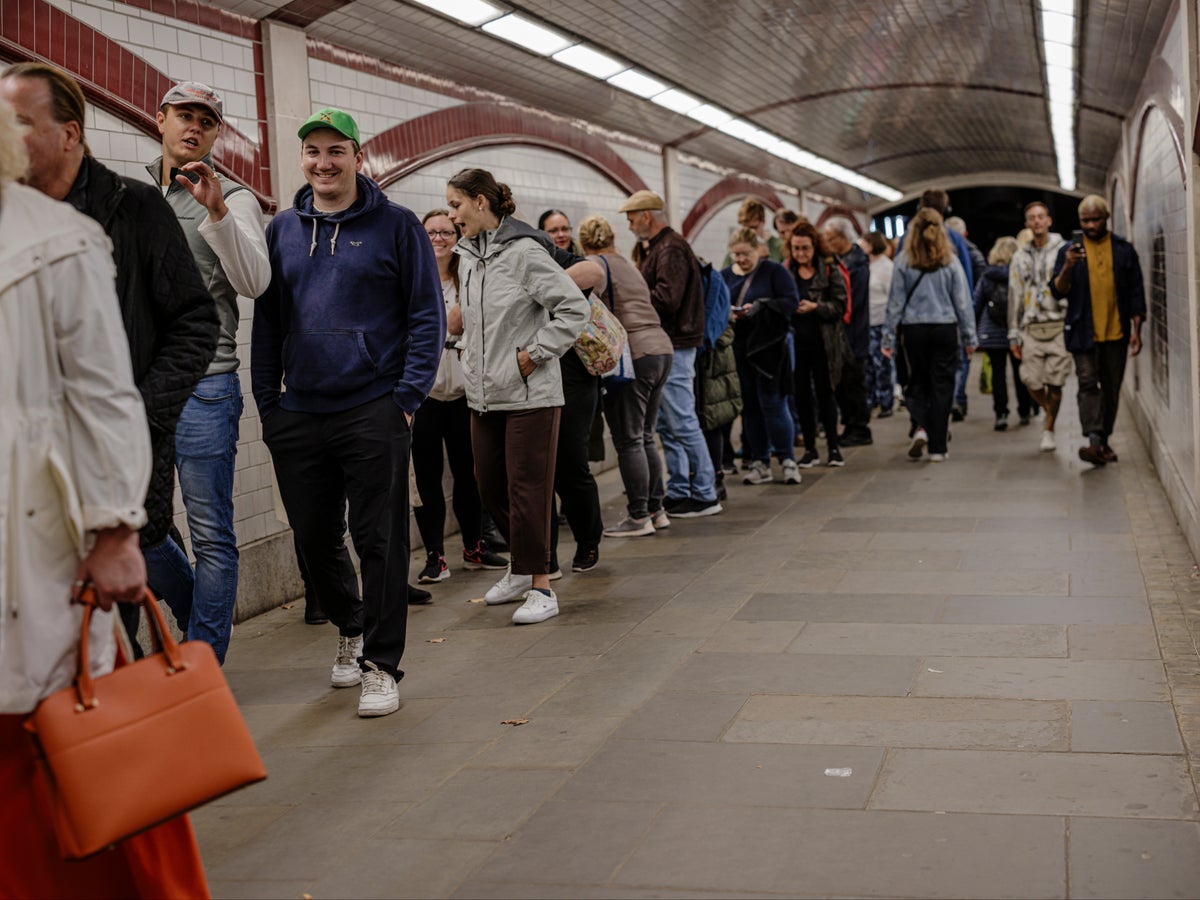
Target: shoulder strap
(607, 282)
(912, 290)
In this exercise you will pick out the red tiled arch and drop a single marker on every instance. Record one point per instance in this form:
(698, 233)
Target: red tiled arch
(724, 192)
(411, 145)
(119, 81)
(844, 212)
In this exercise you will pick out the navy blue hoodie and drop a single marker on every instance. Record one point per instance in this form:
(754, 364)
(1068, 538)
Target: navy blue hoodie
(354, 309)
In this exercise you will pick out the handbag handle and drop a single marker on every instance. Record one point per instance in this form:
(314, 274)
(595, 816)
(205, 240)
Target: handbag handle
(84, 686)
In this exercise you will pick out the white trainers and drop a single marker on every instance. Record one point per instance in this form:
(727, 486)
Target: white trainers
(938, 457)
(758, 472)
(660, 520)
(346, 672)
(380, 696)
(508, 589)
(630, 527)
(791, 471)
(1048, 444)
(917, 447)
(536, 608)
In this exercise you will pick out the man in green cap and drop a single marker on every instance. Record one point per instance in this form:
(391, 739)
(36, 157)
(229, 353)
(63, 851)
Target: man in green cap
(346, 345)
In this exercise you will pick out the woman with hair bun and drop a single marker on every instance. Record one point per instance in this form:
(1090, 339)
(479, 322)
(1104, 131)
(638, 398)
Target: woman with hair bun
(521, 313)
(929, 310)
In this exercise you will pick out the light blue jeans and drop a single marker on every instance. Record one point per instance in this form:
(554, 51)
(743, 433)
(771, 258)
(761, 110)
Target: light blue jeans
(690, 470)
(205, 448)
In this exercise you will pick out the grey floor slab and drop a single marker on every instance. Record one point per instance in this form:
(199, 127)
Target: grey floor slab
(752, 637)
(682, 717)
(1042, 679)
(1048, 784)
(1019, 583)
(850, 853)
(1099, 726)
(477, 804)
(1121, 858)
(752, 673)
(791, 607)
(990, 610)
(904, 722)
(1113, 642)
(760, 775)
(932, 640)
(388, 867)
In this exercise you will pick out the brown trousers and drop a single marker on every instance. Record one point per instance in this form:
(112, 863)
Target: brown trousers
(514, 465)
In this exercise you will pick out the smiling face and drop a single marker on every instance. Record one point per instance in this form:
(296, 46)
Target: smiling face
(1038, 220)
(330, 163)
(559, 229)
(442, 235)
(188, 133)
(802, 250)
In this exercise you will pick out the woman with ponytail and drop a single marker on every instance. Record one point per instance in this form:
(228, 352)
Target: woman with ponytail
(928, 312)
(521, 313)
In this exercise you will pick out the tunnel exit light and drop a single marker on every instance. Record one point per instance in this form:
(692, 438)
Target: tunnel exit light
(1059, 26)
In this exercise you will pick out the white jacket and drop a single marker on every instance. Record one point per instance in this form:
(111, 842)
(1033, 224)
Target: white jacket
(74, 448)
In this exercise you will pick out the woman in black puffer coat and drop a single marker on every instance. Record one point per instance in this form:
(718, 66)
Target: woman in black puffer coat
(991, 321)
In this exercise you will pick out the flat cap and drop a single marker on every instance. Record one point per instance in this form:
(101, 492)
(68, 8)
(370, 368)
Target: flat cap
(641, 200)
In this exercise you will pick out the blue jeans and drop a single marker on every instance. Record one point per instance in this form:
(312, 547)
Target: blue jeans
(205, 447)
(768, 427)
(690, 470)
(879, 373)
(960, 378)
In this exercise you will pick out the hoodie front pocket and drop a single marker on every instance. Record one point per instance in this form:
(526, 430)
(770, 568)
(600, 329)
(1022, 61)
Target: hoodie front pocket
(327, 362)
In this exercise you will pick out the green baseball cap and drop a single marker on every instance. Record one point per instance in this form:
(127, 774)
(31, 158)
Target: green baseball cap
(339, 121)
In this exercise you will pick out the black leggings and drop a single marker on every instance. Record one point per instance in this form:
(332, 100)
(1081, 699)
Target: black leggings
(446, 422)
(814, 393)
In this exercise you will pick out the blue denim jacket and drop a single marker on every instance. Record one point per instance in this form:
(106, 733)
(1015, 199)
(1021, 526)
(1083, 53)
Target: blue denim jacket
(941, 298)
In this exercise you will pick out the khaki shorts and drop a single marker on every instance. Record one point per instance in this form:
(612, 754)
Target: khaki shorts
(1044, 363)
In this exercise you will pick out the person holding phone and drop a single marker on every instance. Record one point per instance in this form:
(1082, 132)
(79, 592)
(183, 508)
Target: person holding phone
(1101, 278)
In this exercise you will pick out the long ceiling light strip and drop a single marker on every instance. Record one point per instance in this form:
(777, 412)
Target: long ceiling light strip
(1059, 28)
(530, 34)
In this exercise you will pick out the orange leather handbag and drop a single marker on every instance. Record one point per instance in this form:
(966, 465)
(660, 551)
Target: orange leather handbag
(141, 745)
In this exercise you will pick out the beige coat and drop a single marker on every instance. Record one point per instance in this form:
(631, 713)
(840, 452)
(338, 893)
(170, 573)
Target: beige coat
(74, 448)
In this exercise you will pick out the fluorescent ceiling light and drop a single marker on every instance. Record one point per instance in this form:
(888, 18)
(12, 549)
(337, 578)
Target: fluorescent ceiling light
(1062, 55)
(528, 34)
(589, 61)
(739, 128)
(638, 83)
(676, 100)
(710, 115)
(1066, 7)
(470, 12)
(764, 140)
(1058, 28)
(1060, 80)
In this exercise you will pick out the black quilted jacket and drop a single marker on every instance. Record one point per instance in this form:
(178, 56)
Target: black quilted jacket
(170, 318)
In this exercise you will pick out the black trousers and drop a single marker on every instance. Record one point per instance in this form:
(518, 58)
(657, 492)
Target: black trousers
(573, 480)
(814, 394)
(358, 456)
(851, 397)
(932, 355)
(436, 424)
(1000, 384)
(1100, 371)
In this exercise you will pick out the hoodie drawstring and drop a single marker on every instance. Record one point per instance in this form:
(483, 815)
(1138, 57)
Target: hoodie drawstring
(333, 241)
(312, 248)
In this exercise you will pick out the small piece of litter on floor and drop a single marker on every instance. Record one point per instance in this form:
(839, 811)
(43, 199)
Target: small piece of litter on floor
(839, 773)
(514, 722)
(436, 641)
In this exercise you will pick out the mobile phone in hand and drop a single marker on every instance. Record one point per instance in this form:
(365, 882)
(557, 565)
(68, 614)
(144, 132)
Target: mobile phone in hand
(1077, 237)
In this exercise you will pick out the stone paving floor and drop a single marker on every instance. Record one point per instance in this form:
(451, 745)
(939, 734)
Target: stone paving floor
(974, 679)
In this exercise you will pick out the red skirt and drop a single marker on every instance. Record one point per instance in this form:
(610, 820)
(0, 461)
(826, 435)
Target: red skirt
(162, 862)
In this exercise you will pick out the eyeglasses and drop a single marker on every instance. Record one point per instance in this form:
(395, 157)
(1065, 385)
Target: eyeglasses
(444, 235)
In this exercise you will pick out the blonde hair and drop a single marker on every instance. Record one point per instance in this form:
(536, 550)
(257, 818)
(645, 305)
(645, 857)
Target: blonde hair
(1024, 237)
(14, 161)
(745, 236)
(595, 233)
(1002, 251)
(1095, 202)
(926, 243)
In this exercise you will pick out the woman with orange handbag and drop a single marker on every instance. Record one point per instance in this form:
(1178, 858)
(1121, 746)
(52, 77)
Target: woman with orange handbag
(75, 461)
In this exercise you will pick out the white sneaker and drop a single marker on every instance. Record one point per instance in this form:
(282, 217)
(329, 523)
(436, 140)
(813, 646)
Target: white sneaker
(917, 447)
(346, 672)
(660, 520)
(791, 472)
(758, 472)
(509, 588)
(1048, 444)
(380, 696)
(630, 527)
(938, 457)
(536, 608)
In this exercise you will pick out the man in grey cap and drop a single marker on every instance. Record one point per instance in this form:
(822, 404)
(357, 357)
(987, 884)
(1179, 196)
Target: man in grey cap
(672, 272)
(223, 225)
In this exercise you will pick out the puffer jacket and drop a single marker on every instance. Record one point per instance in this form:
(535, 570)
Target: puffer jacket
(74, 447)
(514, 297)
(718, 389)
(991, 308)
(170, 318)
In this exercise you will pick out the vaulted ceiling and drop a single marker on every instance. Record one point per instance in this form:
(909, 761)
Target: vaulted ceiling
(907, 92)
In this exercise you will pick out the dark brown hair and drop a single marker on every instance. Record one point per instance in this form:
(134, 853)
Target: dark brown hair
(878, 242)
(936, 199)
(481, 183)
(808, 230)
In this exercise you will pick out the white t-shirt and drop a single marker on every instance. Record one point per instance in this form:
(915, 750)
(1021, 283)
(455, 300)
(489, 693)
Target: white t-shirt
(449, 384)
(881, 283)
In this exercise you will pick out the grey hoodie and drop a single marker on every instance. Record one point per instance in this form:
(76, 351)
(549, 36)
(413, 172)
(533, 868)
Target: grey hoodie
(514, 296)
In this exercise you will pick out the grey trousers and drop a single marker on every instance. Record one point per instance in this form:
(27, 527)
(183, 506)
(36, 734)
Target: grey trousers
(631, 411)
